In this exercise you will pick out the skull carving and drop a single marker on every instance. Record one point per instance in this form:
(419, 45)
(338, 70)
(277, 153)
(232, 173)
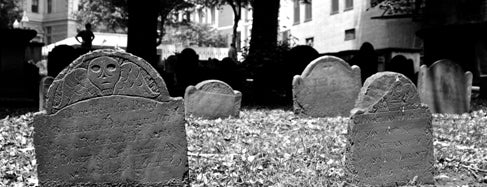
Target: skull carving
(104, 73)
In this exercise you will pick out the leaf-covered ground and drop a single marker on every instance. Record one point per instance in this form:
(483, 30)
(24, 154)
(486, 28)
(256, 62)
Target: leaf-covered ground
(275, 148)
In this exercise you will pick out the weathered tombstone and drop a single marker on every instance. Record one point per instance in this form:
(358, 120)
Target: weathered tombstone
(367, 59)
(327, 87)
(212, 99)
(445, 87)
(110, 122)
(401, 64)
(43, 87)
(299, 57)
(59, 58)
(390, 140)
(187, 71)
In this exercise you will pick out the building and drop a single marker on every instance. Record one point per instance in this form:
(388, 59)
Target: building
(221, 18)
(52, 19)
(338, 26)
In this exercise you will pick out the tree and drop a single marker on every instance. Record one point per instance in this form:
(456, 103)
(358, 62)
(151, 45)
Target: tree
(104, 15)
(139, 19)
(9, 12)
(142, 29)
(236, 5)
(399, 8)
(263, 41)
(194, 34)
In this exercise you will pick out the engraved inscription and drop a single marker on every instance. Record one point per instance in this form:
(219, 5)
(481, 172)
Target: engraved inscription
(115, 140)
(445, 87)
(212, 99)
(328, 87)
(390, 138)
(110, 122)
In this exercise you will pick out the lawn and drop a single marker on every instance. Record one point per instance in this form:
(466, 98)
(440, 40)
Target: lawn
(267, 147)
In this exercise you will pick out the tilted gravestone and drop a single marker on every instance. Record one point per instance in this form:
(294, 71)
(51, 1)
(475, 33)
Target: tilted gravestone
(110, 122)
(43, 87)
(327, 87)
(390, 140)
(445, 87)
(212, 99)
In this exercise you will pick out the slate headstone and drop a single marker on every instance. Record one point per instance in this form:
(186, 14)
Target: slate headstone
(327, 87)
(212, 99)
(59, 58)
(445, 87)
(187, 71)
(43, 87)
(299, 57)
(390, 140)
(401, 64)
(110, 122)
(367, 59)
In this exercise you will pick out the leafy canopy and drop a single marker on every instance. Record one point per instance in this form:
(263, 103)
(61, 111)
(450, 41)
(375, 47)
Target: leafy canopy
(10, 10)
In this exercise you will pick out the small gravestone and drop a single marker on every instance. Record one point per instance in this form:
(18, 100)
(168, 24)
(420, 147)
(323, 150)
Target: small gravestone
(212, 99)
(43, 87)
(110, 122)
(390, 140)
(367, 59)
(327, 87)
(401, 64)
(445, 87)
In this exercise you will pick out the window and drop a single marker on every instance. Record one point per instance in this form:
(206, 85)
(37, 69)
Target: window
(310, 41)
(296, 12)
(238, 45)
(187, 16)
(213, 15)
(349, 34)
(348, 4)
(49, 6)
(35, 6)
(308, 11)
(334, 6)
(285, 36)
(48, 35)
(246, 14)
(200, 15)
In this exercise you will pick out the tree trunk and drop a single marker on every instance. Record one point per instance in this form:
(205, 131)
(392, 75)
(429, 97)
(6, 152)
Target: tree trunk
(262, 53)
(142, 29)
(263, 42)
(237, 12)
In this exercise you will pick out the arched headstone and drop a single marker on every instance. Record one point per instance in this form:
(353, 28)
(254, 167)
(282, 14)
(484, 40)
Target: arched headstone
(367, 59)
(59, 58)
(110, 122)
(327, 87)
(390, 135)
(445, 87)
(401, 64)
(212, 99)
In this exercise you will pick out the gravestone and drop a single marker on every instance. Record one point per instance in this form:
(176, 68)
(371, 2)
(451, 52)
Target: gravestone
(445, 87)
(59, 58)
(390, 140)
(43, 87)
(327, 87)
(212, 99)
(367, 59)
(401, 64)
(110, 122)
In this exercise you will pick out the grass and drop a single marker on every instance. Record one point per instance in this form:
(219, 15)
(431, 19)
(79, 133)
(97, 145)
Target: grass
(275, 148)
